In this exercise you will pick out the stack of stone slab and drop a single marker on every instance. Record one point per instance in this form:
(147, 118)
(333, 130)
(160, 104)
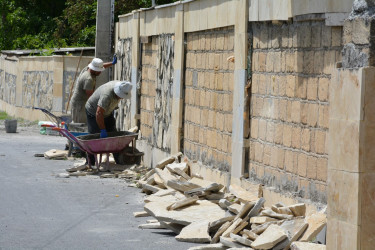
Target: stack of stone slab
(201, 211)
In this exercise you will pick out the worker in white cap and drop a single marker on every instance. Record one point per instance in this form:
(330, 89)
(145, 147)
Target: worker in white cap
(85, 86)
(100, 107)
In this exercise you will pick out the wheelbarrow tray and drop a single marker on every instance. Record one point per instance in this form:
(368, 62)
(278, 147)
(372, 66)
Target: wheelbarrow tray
(114, 143)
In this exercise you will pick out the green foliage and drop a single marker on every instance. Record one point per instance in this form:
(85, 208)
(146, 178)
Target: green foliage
(40, 24)
(4, 116)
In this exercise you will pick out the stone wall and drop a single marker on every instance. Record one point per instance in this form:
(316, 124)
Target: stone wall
(37, 81)
(208, 102)
(292, 67)
(8, 87)
(37, 89)
(124, 54)
(148, 88)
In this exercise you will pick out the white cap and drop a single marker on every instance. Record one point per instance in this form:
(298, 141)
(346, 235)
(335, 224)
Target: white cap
(123, 89)
(96, 65)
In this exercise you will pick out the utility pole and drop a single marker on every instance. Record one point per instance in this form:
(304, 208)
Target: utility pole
(104, 37)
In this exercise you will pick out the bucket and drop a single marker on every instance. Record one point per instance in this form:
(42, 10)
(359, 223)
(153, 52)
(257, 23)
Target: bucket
(11, 126)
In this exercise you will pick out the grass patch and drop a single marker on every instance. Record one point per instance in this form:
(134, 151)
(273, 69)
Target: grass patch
(4, 116)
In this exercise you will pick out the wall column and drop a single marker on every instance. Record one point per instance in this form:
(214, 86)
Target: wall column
(135, 67)
(58, 86)
(240, 78)
(177, 101)
(351, 164)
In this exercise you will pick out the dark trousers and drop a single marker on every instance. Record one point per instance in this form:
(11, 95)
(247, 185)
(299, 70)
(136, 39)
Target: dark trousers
(110, 125)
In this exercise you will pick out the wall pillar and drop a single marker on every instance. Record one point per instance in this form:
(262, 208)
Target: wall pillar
(240, 78)
(177, 101)
(58, 86)
(135, 66)
(351, 164)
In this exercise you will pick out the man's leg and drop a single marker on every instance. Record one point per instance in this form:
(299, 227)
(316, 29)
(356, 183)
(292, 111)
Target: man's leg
(93, 128)
(110, 124)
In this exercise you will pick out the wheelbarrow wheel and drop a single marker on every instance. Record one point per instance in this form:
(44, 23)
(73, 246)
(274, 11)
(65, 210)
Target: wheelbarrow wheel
(130, 156)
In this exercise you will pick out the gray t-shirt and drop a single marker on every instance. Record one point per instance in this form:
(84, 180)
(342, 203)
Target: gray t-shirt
(85, 82)
(104, 97)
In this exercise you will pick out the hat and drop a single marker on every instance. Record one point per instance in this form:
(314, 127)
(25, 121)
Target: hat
(96, 65)
(123, 89)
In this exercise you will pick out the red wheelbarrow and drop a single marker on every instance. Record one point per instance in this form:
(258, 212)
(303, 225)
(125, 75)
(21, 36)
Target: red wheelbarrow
(116, 142)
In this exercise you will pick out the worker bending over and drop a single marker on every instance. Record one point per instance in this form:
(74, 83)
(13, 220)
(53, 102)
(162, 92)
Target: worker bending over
(100, 107)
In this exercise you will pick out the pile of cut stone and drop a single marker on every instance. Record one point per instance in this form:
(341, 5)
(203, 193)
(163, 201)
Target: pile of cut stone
(201, 211)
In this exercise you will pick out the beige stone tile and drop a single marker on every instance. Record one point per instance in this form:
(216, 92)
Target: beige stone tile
(345, 95)
(368, 127)
(341, 235)
(343, 196)
(368, 211)
(343, 147)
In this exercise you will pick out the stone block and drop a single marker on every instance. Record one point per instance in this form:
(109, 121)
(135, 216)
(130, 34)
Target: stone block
(323, 89)
(311, 167)
(262, 129)
(320, 142)
(312, 116)
(280, 158)
(289, 161)
(287, 135)
(302, 164)
(296, 138)
(326, 36)
(301, 87)
(312, 88)
(337, 34)
(308, 62)
(278, 134)
(321, 169)
(290, 86)
(361, 31)
(305, 139)
(316, 33)
(296, 111)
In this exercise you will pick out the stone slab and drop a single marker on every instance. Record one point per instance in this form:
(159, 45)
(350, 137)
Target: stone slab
(241, 240)
(196, 232)
(141, 214)
(242, 193)
(269, 238)
(187, 215)
(294, 229)
(217, 246)
(316, 223)
(151, 226)
(307, 246)
(228, 242)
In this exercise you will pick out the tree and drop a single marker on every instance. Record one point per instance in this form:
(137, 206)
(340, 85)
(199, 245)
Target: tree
(39, 24)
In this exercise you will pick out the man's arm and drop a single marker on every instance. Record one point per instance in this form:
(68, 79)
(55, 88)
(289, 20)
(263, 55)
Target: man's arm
(100, 117)
(89, 93)
(109, 64)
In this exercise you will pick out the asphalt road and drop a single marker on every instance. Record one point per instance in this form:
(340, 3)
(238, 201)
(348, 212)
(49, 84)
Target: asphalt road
(40, 211)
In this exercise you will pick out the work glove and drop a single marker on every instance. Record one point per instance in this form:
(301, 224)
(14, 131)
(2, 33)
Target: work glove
(103, 133)
(114, 59)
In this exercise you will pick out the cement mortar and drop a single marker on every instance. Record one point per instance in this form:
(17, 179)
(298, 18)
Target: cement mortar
(353, 57)
(364, 8)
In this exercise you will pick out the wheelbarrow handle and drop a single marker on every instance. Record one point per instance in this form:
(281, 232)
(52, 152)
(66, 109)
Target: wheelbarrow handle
(48, 125)
(68, 135)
